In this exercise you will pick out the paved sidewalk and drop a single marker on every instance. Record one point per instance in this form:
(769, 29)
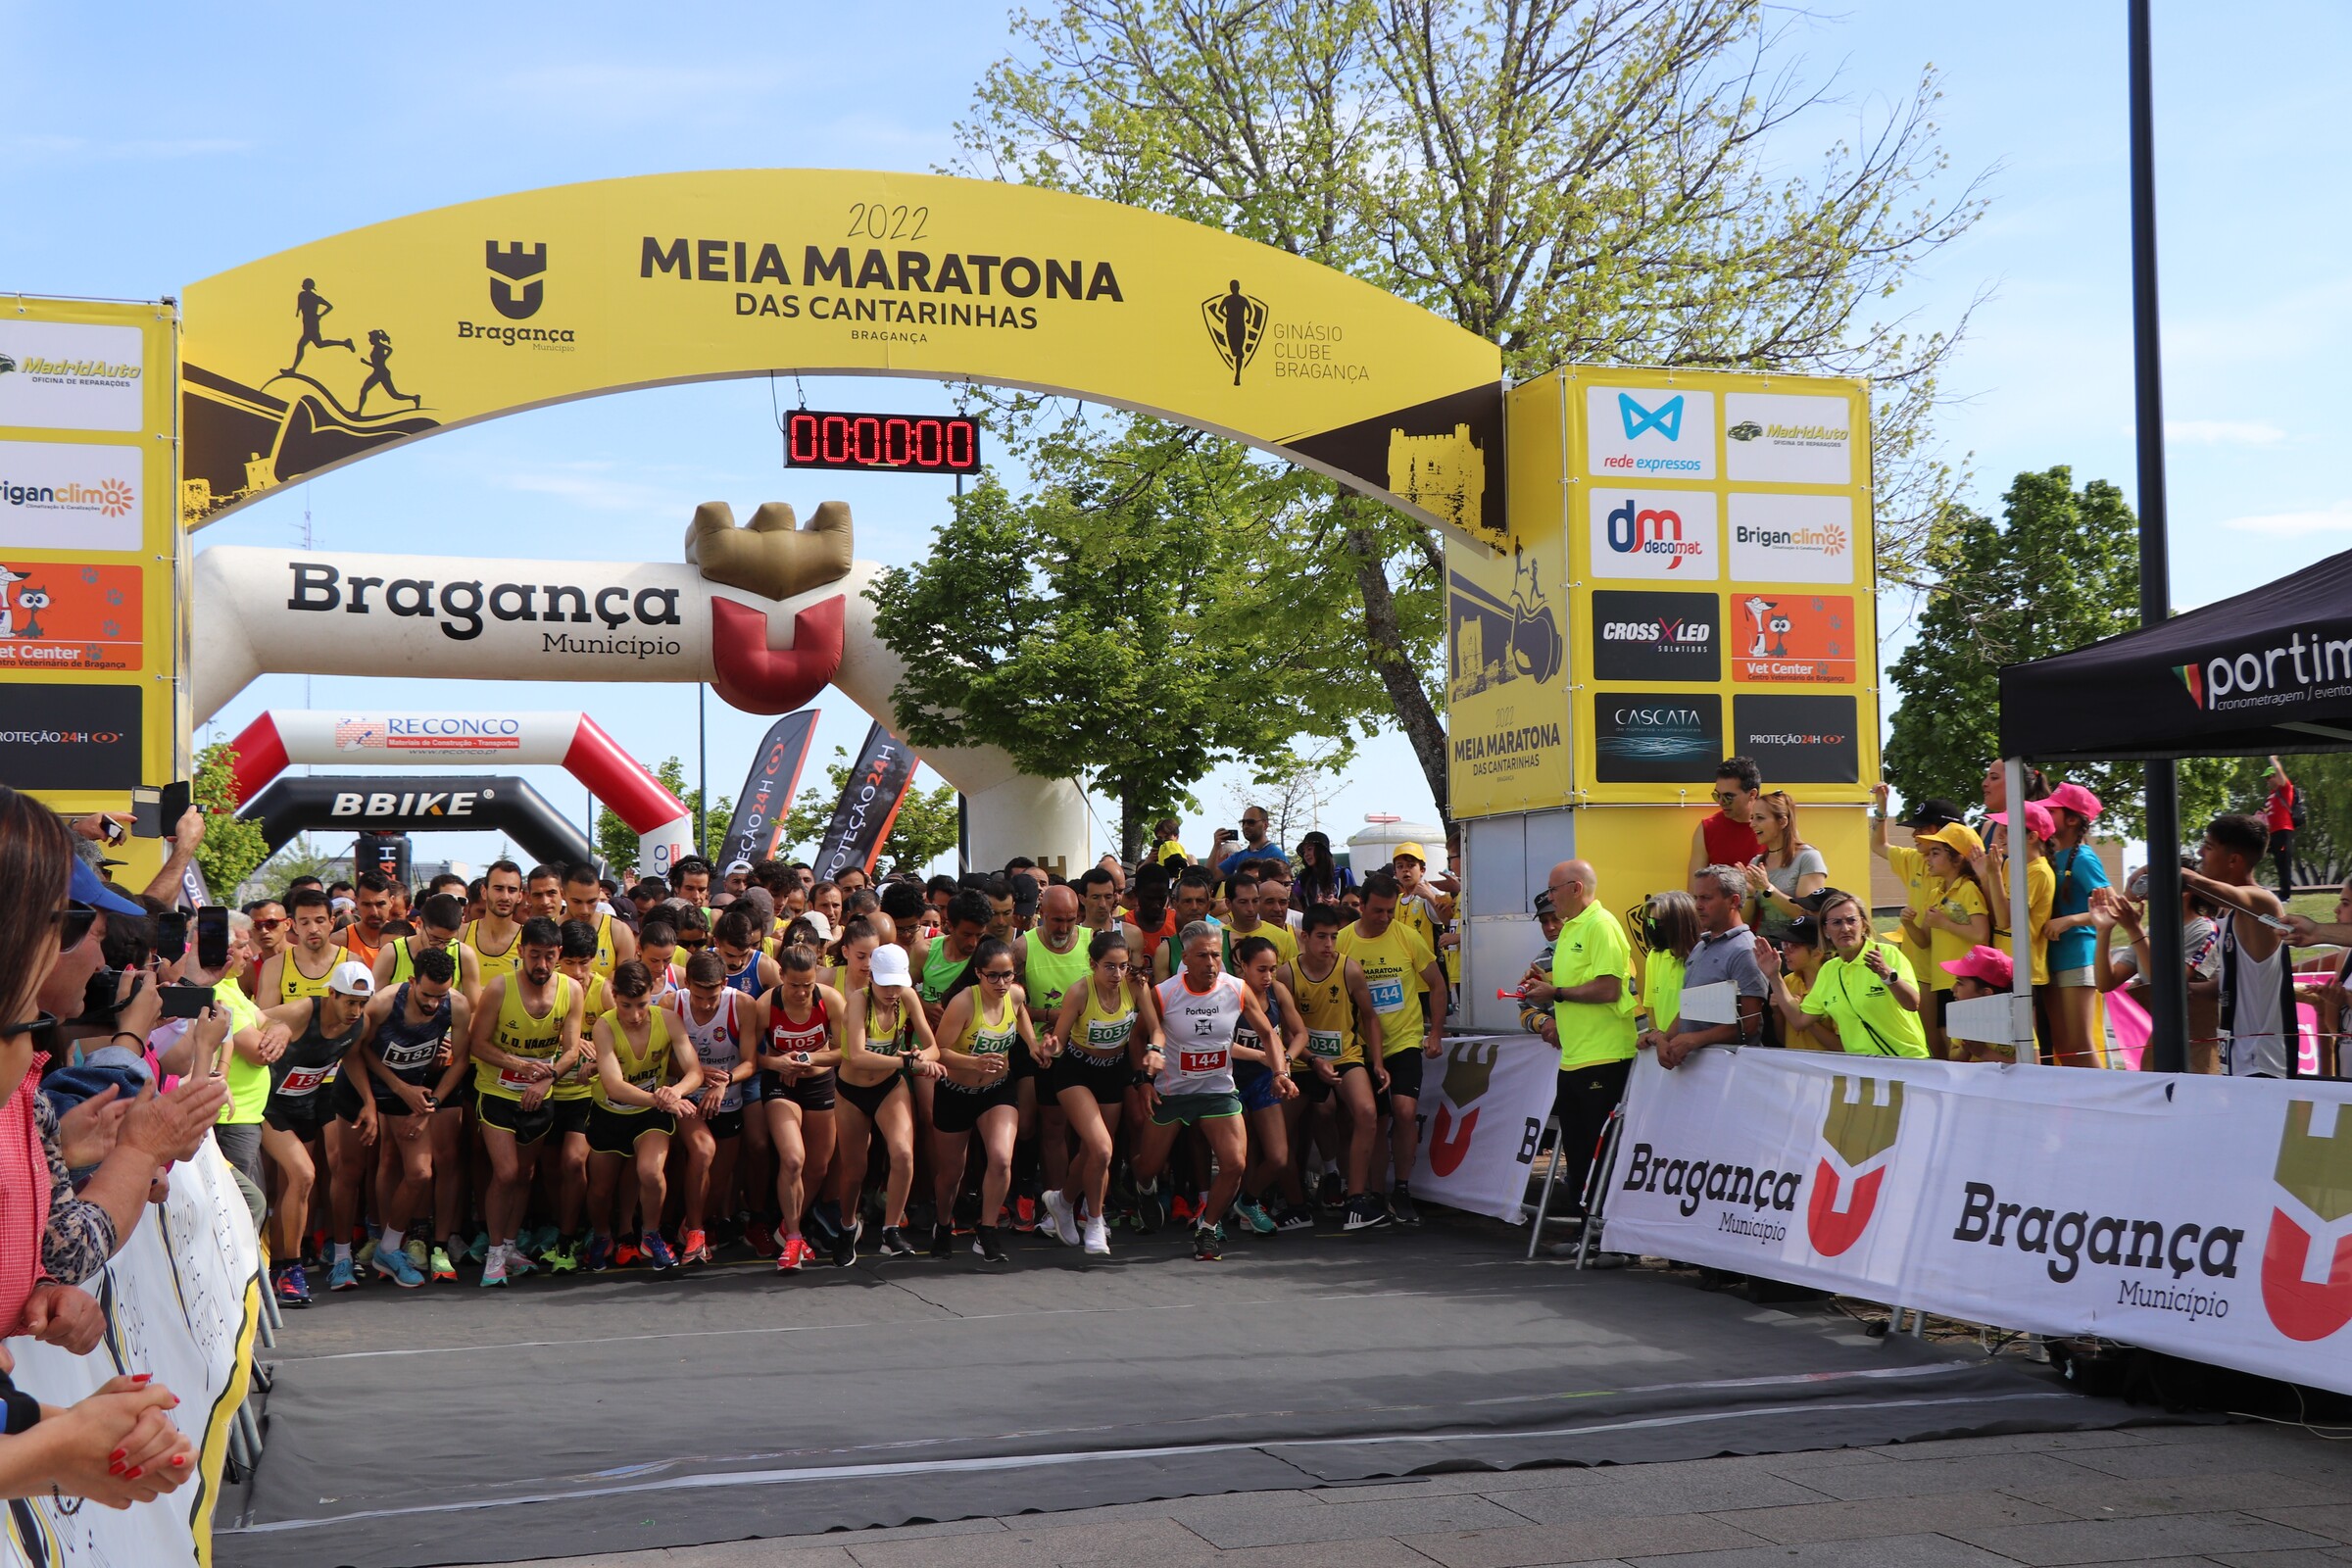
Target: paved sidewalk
(2275, 1497)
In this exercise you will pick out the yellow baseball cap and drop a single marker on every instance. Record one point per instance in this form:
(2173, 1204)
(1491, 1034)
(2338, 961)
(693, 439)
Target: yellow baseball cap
(1958, 837)
(1411, 852)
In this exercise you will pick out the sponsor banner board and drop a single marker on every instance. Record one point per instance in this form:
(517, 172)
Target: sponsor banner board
(72, 375)
(1657, 737)
(1785, 637)
(869, 802)
(1778, 537)
(2205, 1217)
(757, 824)
(70, 495)
(1507, 698)
(180, 1300)
(1799, 740)
(1641, 433)
(1667, 534)
(1482, 1115)
(1657, 636)
(70, 615)
(1780, 439)
(71, 738)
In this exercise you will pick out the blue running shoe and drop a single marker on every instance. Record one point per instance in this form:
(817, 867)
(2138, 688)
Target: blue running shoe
(395, 1264)
(293, 1286)
(657, 1251)
(342, 1276)
(600, 1252)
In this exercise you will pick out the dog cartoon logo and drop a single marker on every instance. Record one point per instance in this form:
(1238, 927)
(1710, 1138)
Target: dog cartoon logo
(1866, 1116)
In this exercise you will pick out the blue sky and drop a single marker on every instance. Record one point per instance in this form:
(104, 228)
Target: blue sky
(143, 147)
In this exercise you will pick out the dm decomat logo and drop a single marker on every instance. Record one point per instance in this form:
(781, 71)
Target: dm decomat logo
(1866, 1116)
(2315, 1172)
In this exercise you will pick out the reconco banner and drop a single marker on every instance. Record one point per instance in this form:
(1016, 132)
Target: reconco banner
(180, 1302)
(1482, 1114)
(758, 820)
(868, 804)
(2205, 1217)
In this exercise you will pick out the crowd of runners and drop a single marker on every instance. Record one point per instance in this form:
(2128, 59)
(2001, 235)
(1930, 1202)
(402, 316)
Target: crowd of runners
(537, 1072)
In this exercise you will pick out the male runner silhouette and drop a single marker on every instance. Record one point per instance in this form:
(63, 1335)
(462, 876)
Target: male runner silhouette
(312, 307)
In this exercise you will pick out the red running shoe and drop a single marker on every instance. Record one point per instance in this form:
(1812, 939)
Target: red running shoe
(624, 1253)
(1183, 1210)
(1024, 1214)
(694, 1248)
(761, 1237)
(796, 1252)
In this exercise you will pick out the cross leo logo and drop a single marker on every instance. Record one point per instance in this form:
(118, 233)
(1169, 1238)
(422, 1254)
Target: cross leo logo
(2316, 1172)
(1866, 1116)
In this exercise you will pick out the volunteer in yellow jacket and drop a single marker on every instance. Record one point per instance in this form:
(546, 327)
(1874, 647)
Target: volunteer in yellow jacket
(1593, 1004)
(1403, 973)
(1922, 888)
(1864, 999)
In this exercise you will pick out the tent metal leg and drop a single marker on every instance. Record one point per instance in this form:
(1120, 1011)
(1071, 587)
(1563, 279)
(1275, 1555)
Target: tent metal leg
(1551, 1174)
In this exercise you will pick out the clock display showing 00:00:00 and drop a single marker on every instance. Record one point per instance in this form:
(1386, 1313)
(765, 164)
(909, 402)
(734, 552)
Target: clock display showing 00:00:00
(887, 442)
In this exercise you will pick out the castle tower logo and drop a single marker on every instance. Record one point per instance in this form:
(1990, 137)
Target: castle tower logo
(1866, 1117)
(2315, 1171)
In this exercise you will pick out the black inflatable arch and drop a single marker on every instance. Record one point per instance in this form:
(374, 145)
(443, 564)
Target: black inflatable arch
(399, 802)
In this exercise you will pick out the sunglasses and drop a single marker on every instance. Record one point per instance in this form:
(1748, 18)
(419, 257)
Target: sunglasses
(1000, 976)
(43, 1028)
(73, 923)
(1727, 797)
(694, 941)
(268, 925)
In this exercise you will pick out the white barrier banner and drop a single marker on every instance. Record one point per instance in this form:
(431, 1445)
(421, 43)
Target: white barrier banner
(180, 1304)
(2205, 1217)
(1483, 1109)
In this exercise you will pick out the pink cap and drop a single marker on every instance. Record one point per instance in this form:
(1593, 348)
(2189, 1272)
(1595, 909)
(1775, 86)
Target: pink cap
(1988, 964)
(2076, 799)
(2038, 821)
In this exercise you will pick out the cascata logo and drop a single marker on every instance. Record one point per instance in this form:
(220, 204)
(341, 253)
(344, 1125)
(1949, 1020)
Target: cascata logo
(1639, 530)
(1866, 1116)
(2317, 1173)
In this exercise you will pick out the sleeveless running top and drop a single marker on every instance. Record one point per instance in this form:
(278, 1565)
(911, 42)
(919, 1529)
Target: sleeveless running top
(358, 948)
(1101, 1036)
(813, 1035)
(747, 978)
(1153, 936)
(605, 958)
(413, 1051)
(493, 965)
(404, 958)
(580, 1083)
(535, 1037)
(293, 985)
(898, 1041)
(308, 1064)
(1328, 1012)
(985, 1037)
(647, 1069)
(1047, 975)
(720, 1042)
(1198, 1059)
(1243, 1034)
(1728, 843)
(937, 976)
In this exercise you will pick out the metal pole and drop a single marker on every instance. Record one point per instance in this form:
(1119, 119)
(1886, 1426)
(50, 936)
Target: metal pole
(2020, 918)
(2167, 985)
(701, 767)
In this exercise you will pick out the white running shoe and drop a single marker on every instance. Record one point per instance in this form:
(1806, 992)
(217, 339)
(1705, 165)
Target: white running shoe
(1064, 1216)
(1098, 1237)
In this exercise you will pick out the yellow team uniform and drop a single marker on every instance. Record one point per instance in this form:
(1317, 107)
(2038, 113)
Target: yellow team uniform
(647, 1069)
(1962, 900)
(1329, 1012)
(1098, 1032)
(404, 958)
(519, 1033)
(1392, 962)
(581, 1082)
(293, 985)
(494, 965)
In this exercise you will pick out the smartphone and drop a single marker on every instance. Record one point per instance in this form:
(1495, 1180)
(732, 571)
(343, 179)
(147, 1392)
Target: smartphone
(170, 806)
(171, 935)
(185, 1001)
(211, 938)
(146, 811)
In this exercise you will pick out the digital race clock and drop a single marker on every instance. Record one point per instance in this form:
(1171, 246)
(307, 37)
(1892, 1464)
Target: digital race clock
(890, 443)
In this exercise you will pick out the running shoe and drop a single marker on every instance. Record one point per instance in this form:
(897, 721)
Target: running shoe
(895, 1243)
(519, 1263)
(363, 1250)
(657, 1251)
(989, 1243)
(626, 1252)
(1401, 1206)
(342, 1276)
(1332, 1191)
(1184, 1211)
(600, 1251)
(795, 1252)
(844, 1249)
(1149, 1213)
(1209, 1243)
(823, 1220)
(943, 1241)
(694, 1248)
(440, 1267)
(562, 1259)
(1253, 1213)
(1064, 1215)
(762, 1238)
(419, 1254)
(293, 1286)
(548, 1241)
(393, 1264)
(1365, 1213)
(1024, 1214)
(494, 1268)
(1294, 1217)
(1098, 1237)
(479, 1248)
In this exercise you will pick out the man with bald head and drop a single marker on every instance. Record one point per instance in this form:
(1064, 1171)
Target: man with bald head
(1592, 994)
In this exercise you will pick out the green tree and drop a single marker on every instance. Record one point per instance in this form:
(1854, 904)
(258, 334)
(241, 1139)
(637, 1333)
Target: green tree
(927, 824)
(295, 859)
(1128, 625)
(620, 844)
(233, 845)
(1578, 180)
(2061, 570)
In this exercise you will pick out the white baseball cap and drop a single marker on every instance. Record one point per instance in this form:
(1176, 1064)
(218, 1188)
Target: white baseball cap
(352, 978)
(733, 867)
(890, 967)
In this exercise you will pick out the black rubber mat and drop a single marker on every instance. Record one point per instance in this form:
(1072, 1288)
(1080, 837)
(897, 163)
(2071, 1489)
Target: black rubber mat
(604, 1414)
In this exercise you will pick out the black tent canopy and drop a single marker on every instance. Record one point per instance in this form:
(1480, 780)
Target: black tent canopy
(2270, 670)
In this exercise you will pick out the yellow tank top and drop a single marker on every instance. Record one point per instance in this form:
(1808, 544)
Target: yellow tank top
(605, 957)
(1329, 1013)
(580, 1083)
(404, 958)
(647, 1069)
(984, 1037)
(494, 965)
(901, 1039)
(1099, 1032)
(519, 1033)
(293, 985)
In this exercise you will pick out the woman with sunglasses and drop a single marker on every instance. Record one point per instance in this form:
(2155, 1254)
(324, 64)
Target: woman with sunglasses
(1105, 1026)
(1864, 999)
(885, 1044)
(977, 1033)
(118, 1446)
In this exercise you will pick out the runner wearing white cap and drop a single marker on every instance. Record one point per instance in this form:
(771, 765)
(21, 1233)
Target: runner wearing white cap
(322, 1029)
(885, 1042)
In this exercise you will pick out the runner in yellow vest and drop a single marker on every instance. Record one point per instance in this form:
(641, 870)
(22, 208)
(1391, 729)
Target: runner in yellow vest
(1333, 995)
(615, 943)
(525, 1040)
